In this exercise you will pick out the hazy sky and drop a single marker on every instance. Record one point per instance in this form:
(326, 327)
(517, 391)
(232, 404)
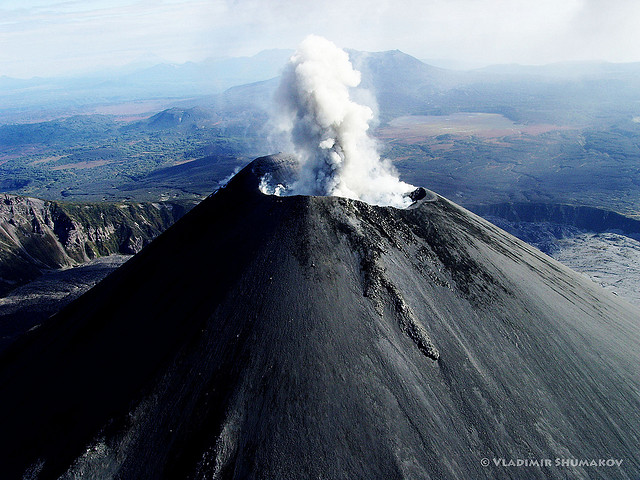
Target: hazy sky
(40, 37)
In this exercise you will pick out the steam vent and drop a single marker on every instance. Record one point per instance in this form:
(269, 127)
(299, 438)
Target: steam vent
(304, 337)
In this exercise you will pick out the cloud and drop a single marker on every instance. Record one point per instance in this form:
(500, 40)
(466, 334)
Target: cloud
(40, 37)
(67, 37)
(605, 30)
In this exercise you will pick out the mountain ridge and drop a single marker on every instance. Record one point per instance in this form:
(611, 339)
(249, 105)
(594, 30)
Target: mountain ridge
(39, 234)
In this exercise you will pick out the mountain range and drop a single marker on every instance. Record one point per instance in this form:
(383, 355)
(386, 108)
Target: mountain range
(136, 82)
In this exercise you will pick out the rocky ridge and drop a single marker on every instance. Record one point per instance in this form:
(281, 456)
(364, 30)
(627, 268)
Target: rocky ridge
(38, 235)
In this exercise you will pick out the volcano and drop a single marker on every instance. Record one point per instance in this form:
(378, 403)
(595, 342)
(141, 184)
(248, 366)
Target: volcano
(321, 337)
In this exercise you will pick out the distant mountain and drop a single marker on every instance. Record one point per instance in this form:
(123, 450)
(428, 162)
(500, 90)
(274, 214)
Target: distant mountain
(137, 83)
(572, 93)
(207, 77)
(320, 337)
(402, 84)
(178, 119)
(565, 94)
(566, 70)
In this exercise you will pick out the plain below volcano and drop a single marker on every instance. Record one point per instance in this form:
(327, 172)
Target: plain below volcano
(320, 337)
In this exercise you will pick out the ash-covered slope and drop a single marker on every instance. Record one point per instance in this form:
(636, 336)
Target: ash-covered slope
(320, 337)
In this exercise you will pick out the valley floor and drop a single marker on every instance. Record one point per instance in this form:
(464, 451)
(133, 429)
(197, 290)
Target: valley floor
(610, 259)
(29, 305)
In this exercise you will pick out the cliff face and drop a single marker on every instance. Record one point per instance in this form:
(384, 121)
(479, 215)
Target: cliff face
(37, 235)
(585, 218)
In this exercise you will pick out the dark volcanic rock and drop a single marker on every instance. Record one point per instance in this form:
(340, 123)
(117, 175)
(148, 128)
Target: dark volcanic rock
(319, 337)
(38, 235)
(29, 305)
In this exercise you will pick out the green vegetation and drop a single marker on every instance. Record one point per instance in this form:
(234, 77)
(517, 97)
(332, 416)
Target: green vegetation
(95, 157)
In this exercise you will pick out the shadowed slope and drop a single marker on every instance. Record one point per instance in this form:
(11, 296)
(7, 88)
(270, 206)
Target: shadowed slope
(320, 337)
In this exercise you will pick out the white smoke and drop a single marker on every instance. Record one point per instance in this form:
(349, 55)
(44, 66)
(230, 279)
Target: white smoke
(329, 131)
(223, 183)
(267, 186)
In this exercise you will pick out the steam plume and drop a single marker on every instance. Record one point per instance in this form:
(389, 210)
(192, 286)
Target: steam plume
(329, 131)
